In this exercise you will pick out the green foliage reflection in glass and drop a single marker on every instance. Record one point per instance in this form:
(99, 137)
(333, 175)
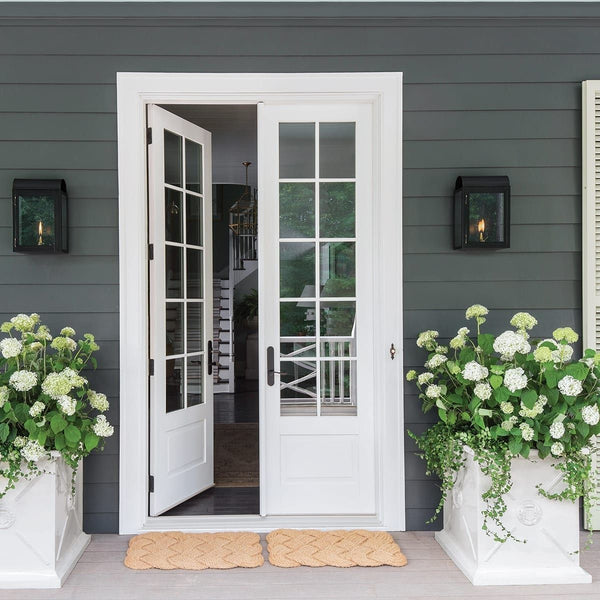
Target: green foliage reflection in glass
(338, 269)
(336, 208)
(297, 269)
(295, 319)
(296, 210)
(337, 318)
(34, 210)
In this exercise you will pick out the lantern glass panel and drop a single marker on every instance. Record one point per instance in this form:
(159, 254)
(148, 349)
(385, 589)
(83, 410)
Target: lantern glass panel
(486, 218)
(36, 221)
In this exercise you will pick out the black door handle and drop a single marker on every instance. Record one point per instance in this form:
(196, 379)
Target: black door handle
(209, 357)
(271, 372)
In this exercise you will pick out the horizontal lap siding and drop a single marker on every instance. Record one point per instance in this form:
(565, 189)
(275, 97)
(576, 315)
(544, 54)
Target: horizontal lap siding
(481, 96)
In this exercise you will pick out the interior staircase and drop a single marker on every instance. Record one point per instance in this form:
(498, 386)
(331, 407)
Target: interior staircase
(223, 371)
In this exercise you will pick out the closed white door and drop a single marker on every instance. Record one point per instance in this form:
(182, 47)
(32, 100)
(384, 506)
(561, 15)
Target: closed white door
(180, 236)
(316, 308)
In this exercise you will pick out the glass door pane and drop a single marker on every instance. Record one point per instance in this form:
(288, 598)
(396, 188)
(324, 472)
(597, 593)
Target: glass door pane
(317, 268)
(184, 255)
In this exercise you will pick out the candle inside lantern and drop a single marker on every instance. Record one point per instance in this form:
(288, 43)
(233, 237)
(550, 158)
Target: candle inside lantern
(481, 230)
(40, 231)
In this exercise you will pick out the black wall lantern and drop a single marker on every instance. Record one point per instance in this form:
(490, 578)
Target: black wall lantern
(482, 212)
(40, 215)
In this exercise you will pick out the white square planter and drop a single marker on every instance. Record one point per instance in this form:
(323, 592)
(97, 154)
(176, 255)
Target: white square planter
(550, 527)
(41, 537)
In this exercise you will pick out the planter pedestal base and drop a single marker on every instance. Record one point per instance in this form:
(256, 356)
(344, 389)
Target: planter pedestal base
(551, 528)
(41, 537)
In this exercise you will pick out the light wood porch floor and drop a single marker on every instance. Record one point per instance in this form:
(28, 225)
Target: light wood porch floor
(100, 575)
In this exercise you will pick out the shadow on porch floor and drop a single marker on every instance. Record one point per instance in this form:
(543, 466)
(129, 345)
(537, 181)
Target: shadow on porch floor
(101, 575)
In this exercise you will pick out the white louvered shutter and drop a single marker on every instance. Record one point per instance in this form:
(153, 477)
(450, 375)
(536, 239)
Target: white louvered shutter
(591, 227)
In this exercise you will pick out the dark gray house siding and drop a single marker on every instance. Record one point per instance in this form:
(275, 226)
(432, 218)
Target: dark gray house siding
(489, 89)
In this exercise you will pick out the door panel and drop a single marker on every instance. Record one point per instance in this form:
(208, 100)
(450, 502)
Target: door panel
(181, 400)
(316, 305)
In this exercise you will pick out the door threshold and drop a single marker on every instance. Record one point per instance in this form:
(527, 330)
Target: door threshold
(257, 523)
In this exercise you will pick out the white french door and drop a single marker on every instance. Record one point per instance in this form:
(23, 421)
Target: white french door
(317, 308)
(180, 234)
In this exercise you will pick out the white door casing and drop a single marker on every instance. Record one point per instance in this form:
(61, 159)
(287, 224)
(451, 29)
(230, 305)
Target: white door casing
(180, 234)
(316, 230)
(382, 91)
(591, 231)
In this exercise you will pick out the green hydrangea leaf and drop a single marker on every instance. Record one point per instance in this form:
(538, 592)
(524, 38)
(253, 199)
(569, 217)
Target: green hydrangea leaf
(515, 445)
(551, 376)
(501, 394)
(528, 398)
(583, 428)
(59, 442)
(22, 412)
(577, 370)
(57, 423)
(525, 451)
(72, 434)
(4, 431)
(91, 441)
(486, 342)
(495, 381)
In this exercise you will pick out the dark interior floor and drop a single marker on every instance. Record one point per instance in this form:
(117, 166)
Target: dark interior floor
(220, 501)
(241, 407)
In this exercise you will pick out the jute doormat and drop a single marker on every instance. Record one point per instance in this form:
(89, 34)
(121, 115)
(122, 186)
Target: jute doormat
(194, 551)
(236, 455)
(312, 548)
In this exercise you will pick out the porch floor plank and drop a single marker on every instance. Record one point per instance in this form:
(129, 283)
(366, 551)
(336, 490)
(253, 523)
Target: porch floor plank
(101, 575)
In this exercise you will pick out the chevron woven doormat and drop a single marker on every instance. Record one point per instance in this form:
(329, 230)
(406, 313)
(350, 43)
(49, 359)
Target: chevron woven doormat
(313, 548)
(194, 551)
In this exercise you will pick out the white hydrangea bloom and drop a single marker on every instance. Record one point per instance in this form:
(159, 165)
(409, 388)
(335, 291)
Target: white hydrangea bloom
(483, 390)
(426, 339)
(64, 343)
(542, 400)
(559, 352)
(37, 409)
(515, 379)
(32, 451)
(410, 376)
(102, 427)
(476, 311)
(436, 361)
(74, 377)
(565, 333)
(523, 321)
(509, 423)
(23, 380)
(509, 343)
(526, 432)
(19, 441)
(586, 451)
(542, 354)
(442, 349)
(25, 323)
(507, 408)
(10, 347)
(67, 331)
(557, 449)
(557, 430)
(67, 405)
(424, 378)
(35, 346)
(473, 371)
(4, 394)
(57, 385)
(590, 414)
(99, 401)
(569, 386)
(532, 413)
(463, 331)
(43, 334)
(433, 391)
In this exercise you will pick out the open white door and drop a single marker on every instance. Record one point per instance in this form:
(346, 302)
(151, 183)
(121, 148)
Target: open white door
(316, 249)
(180, 236)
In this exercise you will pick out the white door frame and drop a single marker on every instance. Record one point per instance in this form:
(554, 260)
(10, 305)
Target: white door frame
(134, 92)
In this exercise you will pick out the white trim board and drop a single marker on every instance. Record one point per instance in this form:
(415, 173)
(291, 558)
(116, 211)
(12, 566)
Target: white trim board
(134, 92)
